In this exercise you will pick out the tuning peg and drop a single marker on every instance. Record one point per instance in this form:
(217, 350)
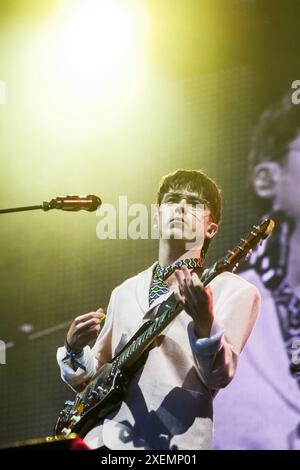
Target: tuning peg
(235, 267)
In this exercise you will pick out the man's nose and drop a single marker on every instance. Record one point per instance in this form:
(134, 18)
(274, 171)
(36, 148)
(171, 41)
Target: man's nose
(181, 206)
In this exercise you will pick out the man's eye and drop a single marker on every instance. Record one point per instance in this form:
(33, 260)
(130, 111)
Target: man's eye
(193, 203)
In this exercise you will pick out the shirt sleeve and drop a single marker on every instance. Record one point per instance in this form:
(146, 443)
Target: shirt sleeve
(76, 378)
(216, 356)
(209, 345)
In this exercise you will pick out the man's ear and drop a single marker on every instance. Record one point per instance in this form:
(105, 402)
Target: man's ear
(211, 230)
(265, 179)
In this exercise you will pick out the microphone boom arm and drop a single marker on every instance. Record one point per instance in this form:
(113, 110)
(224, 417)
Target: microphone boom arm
(67, 203)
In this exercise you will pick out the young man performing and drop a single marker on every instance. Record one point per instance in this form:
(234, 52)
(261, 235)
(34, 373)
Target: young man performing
(168, 404)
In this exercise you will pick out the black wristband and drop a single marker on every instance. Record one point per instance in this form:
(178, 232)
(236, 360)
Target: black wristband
(73, 356)
(71, 351)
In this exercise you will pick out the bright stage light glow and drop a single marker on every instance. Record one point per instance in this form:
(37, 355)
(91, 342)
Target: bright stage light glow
(97, 39)
(86, 66)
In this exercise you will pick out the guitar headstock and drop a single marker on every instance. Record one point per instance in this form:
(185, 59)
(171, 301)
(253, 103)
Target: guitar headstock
(244, 248)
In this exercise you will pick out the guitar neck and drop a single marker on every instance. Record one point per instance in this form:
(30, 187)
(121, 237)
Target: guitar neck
(167, 311)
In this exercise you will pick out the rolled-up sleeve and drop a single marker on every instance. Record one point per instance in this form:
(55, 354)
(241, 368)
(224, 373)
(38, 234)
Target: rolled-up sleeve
(209, 345)
(76, 378)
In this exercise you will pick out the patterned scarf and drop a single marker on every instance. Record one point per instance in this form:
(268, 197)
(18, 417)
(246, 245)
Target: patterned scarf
(161, 273)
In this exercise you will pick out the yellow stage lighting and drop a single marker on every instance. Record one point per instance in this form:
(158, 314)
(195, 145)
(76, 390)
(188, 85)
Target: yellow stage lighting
(97, 39)
(85, 67)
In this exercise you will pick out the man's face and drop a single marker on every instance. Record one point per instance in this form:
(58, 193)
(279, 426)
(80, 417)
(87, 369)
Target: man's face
(287, 195)
(183, 215)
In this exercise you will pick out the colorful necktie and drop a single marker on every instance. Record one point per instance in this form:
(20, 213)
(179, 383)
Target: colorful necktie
(161, 273)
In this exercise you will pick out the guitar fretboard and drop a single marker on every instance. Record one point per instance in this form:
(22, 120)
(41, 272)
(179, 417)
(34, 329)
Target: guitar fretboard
(167, 311)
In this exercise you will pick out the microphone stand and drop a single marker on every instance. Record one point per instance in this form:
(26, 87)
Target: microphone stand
(46, 206)
(72, 203)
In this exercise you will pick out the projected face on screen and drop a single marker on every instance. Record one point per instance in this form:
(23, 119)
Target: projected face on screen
(279, 181)
(267, 384)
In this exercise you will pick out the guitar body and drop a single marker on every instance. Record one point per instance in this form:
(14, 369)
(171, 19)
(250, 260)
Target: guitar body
(104, 393)
(98, 399)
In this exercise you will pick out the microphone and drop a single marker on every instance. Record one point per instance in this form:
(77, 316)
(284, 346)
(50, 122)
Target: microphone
(74, 203)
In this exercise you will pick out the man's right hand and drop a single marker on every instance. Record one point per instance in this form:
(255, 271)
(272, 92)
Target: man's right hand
(84, 329)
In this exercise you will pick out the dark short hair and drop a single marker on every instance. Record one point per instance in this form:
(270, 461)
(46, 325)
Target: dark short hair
(277, 127)
(197, 181)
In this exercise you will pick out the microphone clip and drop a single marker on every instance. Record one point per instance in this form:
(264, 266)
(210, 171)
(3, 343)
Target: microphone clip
(73, 203)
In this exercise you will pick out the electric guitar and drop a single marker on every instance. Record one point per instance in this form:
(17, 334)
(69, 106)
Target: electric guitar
(106, 390)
